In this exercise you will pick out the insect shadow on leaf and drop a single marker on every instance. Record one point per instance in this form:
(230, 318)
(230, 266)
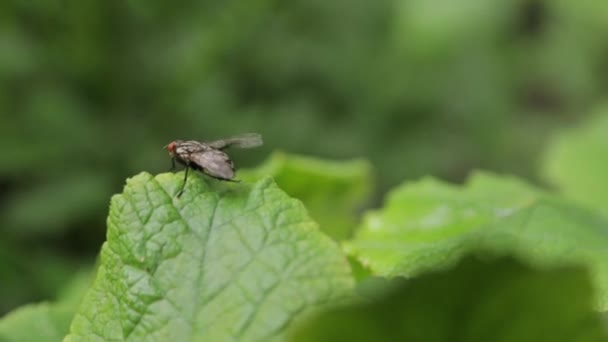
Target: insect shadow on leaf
(209, 157)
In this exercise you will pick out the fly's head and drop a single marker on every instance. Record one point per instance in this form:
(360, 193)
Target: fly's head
(172, 146)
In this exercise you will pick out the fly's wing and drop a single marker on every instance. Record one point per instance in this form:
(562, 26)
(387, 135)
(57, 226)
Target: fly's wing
(215, 163)
(248, 140)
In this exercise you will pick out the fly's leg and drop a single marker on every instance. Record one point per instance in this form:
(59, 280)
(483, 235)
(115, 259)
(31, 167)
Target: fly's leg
(184, 185)
(172, 164)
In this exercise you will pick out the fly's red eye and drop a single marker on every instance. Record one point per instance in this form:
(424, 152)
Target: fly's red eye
(171, 147)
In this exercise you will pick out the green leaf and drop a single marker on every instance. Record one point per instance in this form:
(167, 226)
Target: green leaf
(479, 300)
(430, 224)
(223, 261)
(333, 191)
(45, 321)
(577, 163)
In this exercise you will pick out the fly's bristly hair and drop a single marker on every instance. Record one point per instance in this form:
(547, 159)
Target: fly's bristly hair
(209, 157)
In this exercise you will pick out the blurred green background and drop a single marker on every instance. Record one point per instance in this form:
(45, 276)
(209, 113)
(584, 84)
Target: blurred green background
(90, 91)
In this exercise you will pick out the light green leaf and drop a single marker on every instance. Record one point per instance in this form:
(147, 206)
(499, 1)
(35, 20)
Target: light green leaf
(333, 191)
(577, 163)
(36, 322)
(480, 300)
(224, 261)
(430, 224)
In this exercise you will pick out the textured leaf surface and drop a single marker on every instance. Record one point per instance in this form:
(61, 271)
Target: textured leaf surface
(501, 300)
(333, 191)
(222, 262)
(430, 224)
(577, 163)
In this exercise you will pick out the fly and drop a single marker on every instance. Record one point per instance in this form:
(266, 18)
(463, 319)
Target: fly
(209, 157)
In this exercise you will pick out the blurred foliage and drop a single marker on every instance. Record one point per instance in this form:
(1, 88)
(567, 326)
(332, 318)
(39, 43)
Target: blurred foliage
(32, 275)
(90, 92)
(46, 321)
(332, 191)
(510, 302)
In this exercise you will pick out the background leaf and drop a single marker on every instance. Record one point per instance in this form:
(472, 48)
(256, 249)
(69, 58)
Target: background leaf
(333, 191)
(32, 275)
(222, 261)
(429, 225)
(481, 299)
(46, 321)
(36, 322)
(577, 162)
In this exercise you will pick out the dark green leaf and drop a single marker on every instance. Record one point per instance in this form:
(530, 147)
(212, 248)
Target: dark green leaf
(479, 300)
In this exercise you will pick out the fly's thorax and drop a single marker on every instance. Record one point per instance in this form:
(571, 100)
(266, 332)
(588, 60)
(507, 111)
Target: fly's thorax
(185, 148)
